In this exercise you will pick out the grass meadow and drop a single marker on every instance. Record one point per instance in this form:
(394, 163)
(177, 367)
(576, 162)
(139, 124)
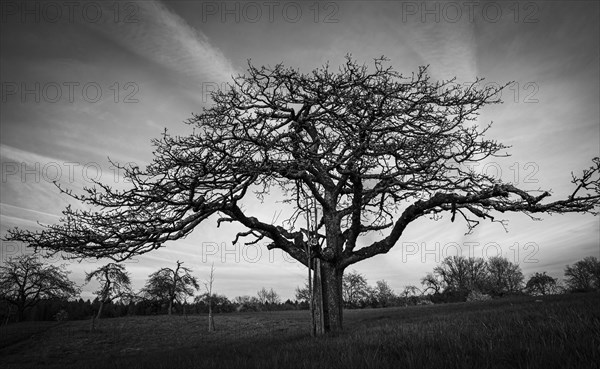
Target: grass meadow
(557, 332)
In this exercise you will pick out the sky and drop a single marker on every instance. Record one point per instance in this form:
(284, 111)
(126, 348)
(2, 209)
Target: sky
(85, 81)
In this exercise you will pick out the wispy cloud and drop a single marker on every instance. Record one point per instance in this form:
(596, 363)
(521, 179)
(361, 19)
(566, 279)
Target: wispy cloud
(165, 38)
(449, 49)
(28, 191)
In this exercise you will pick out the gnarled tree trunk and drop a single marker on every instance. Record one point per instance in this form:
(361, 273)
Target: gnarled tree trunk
(327, 292)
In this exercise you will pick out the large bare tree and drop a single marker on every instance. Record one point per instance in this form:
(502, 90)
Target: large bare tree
(376, 150)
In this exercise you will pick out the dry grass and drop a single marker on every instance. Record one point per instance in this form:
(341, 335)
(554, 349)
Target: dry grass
(562, 331)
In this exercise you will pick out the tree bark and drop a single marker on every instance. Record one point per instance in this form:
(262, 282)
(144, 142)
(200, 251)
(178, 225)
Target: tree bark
(211, 322)
(100, 310)
(21, 304)
(328, 291)
(20, 314)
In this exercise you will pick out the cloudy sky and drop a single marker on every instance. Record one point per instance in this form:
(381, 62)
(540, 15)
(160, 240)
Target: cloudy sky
(92, 80)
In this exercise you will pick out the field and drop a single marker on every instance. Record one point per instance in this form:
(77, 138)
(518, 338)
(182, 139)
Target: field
(556, 332)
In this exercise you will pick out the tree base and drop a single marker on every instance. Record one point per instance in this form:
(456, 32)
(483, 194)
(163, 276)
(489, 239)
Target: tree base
(211, 324)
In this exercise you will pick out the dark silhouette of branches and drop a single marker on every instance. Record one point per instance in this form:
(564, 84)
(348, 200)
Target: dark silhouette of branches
(541, 284)
(115, 283)
(584, 275)
(25, 281)
(170, 285)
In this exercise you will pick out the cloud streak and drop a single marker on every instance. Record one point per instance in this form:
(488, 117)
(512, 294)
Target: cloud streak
(448, 48)
(165, 38)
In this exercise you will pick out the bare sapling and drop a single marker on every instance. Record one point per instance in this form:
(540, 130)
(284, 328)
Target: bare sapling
(209, 285)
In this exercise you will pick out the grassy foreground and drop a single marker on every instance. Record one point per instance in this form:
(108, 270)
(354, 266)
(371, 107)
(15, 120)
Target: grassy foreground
(558, 332)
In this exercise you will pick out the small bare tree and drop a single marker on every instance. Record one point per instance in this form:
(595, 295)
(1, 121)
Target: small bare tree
(354, 288)
(25, 281)
(434, 282)
(115, 283)
(303, 294)
(503, 277)
(541, 284)
(410, 295)
(209, 285)
(461, 274)
(171, 285)
(383, 293)
(584, 275)
(268, 298)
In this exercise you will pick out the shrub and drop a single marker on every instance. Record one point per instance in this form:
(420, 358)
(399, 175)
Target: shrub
(478, 296)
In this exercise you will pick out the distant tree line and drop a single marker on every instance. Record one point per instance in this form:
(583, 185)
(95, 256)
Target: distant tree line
(32, 290)
(460, 279)
(463, 279)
